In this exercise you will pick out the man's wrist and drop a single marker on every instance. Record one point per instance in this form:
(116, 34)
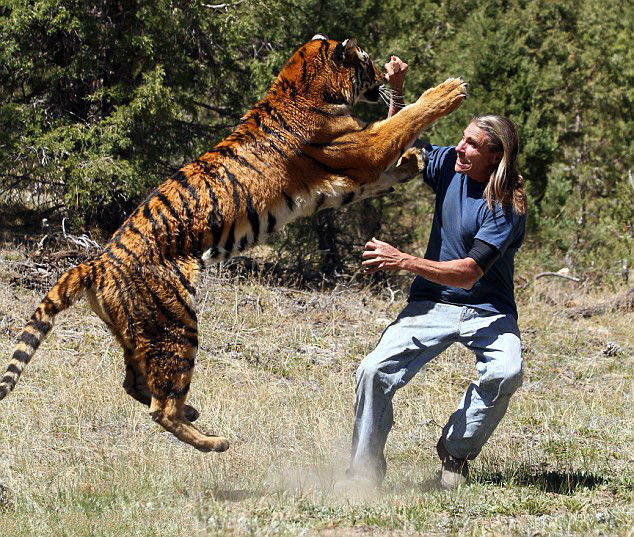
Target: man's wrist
(408, 262)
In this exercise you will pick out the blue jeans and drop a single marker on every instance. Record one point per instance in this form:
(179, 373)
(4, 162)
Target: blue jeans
(420, 333)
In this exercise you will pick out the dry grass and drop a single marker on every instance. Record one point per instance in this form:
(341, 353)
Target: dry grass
(275, 374)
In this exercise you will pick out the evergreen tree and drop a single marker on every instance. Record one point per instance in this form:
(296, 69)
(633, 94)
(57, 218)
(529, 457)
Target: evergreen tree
(101, 101)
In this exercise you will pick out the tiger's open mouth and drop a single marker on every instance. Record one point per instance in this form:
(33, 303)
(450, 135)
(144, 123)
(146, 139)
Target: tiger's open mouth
(371, 95)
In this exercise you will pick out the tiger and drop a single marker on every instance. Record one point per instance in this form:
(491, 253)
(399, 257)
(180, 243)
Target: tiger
(298, 150)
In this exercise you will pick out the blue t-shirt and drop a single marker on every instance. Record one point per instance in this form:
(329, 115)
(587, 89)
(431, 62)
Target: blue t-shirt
(461, 216)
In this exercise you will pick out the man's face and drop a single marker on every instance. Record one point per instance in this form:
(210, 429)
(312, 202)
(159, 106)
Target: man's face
(473, 155)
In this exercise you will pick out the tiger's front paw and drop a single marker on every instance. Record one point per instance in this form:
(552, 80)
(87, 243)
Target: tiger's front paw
(446, 97)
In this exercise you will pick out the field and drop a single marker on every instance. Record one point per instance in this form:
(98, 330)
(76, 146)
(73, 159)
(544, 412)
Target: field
(275, 374)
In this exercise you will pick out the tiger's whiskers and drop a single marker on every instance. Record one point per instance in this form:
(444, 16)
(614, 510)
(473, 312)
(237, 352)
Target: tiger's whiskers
(388, 96)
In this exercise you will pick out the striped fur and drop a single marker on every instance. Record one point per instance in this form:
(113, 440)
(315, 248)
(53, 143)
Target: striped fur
(296, 151)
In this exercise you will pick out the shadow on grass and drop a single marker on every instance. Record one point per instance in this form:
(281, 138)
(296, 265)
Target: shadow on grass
(548, 481)
(235, 495)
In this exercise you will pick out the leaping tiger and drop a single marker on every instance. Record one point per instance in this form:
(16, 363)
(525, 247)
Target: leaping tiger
(296, 151)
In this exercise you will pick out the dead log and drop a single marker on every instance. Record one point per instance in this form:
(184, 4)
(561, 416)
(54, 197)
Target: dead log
(622, 303)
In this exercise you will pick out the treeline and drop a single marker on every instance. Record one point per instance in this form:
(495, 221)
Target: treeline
(100, 101)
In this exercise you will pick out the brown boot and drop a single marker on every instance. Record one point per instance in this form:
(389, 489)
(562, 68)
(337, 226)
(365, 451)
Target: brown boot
(454, 471)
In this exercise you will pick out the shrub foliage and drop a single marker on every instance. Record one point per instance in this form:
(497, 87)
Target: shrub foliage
(99, 101)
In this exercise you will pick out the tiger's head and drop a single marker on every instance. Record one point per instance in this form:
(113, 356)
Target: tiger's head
(331, 72)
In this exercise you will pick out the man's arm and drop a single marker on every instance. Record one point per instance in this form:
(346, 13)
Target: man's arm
(379, 255)
(395, 73)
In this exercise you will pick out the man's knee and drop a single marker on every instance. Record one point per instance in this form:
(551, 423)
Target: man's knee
(503, 377)
(509, 377)
(372, 372)
(513, 378)
(368, 370)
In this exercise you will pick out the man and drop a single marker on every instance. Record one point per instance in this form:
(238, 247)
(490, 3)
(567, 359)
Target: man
(463, 292)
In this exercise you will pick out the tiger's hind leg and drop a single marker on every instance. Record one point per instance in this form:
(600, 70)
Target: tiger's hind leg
(169, 372)
(135, 384)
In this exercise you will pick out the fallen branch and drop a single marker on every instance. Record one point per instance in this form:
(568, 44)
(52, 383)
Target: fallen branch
(83, 241)
(557, 275)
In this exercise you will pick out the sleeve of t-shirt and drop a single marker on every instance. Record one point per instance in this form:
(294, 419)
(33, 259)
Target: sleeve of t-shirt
(438, 158)
(500, 228)
(483, 254)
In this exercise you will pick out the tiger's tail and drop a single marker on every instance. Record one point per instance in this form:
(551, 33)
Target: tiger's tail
(68, 288)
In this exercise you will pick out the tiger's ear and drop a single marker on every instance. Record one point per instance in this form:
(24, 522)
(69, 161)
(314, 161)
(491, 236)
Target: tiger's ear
(345, 52)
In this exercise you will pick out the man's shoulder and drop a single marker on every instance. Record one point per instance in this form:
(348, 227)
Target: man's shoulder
(506, 214)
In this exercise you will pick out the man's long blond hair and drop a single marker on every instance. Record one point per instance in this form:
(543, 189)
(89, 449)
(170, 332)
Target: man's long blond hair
(506, 185)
